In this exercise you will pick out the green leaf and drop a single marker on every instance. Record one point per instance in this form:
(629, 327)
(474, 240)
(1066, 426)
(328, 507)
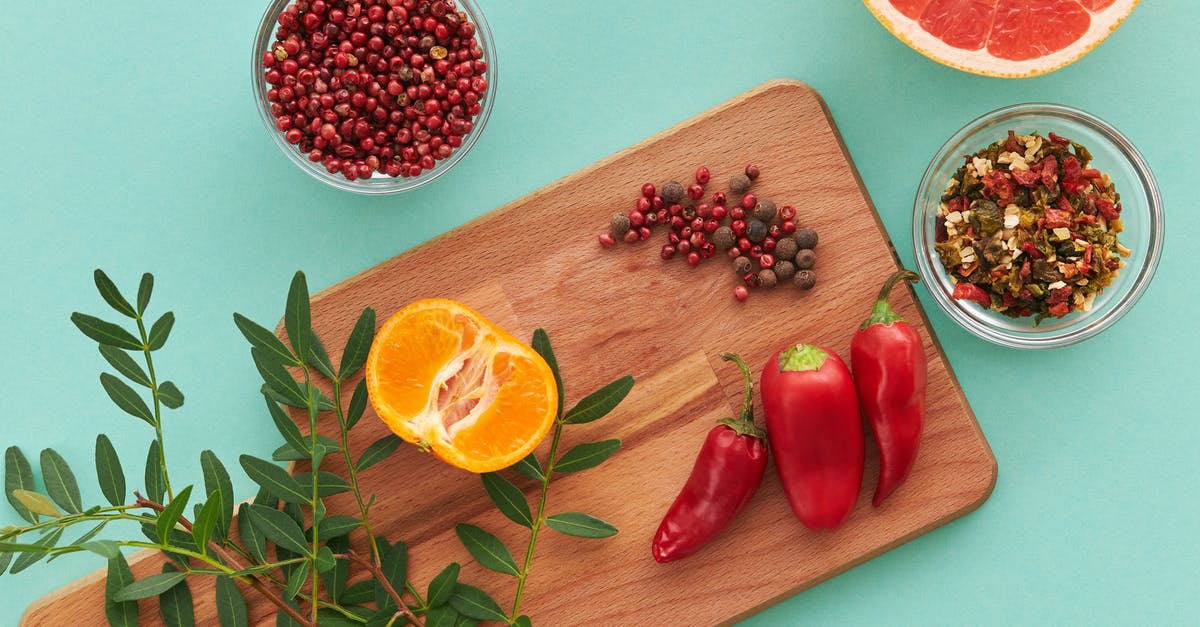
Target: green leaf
(231, 605)
(254, 540)
(104, 548)
(274, 479)
(126, 398)
(508, 499)
(541, 344)
(91, 533)
(109, 473)
(359, 344)
(360, 592)
(266, 341)
(487, 549)
(328, 617)
(394, 565)
(111, 295)
(170, 395)
(325, 561)
(60, 481)
(441, 588)
(145, 288)
(296, 580)
(124, 364)
(156, 481)
(319, 358)
(282, 619)
(5, 559)
(160, 331)
(475, 603)
(597, 404)
(329, 484)
(337, 526)
(441, 616)
(587, 455)
(18, 475)
(279, 528)
(25, 560)
(207, 520)
(523, 621)
(335, 578)
(287, 428)
(581, 525)
(530, 467)
(175, 603)
(153, 585)
(36, 502)
(378, 451)
(297, 318)
(122, 614)
(278, 379)
(105, 332)
(288, 453)
(216, 478)
(169, 517)
(358, 404)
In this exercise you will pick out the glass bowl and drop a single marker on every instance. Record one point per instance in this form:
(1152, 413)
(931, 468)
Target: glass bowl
(379, 183)
(1142, 216)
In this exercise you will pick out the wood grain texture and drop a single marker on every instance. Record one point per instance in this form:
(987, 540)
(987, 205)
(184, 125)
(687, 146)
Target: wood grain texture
(535, 263)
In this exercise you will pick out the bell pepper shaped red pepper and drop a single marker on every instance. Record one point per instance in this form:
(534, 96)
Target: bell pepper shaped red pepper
(726, 475)
(890, 375)
(816, 433)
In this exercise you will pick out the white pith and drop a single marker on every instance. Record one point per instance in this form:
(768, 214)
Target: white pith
(461, 392)
(981, 61)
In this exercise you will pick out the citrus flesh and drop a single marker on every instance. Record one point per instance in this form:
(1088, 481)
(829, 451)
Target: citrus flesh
(443, 377)
(1010, 38)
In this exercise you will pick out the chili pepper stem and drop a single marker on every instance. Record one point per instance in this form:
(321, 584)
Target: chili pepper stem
(882, 312)
(744, 424)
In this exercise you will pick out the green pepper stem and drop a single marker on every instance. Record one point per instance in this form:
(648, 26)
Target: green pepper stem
(744, 425)
(882, 312)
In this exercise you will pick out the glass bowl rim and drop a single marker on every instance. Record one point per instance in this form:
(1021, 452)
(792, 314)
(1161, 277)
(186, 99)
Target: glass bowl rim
(374, 185)
(980, 326)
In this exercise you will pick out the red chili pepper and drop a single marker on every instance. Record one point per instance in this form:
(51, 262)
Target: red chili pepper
(727, 472)
(816, 433)
(889, 374)
(970, 291)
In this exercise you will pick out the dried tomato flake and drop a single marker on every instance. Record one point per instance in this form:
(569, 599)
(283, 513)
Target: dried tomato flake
(998, 188)
(970, 291)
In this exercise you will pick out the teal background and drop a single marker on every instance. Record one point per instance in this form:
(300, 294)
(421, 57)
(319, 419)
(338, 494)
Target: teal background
(130, 142)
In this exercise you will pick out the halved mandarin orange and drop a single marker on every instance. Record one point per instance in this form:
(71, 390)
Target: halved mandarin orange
(443, 377)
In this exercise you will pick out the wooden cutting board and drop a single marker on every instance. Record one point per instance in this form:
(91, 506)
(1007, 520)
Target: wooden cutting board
(609, 312)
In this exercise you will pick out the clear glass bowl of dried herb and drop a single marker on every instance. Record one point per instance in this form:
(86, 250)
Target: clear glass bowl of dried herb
(1037, 226)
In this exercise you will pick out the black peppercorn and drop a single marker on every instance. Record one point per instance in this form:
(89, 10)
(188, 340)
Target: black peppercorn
(784, 270)
(742, 265)
(805, 258)
(739, 183)
(806, 238)
(786, 248)
(618, 224)
(724, 238)
(765, 210)
(672, 193)
(766, 278)
(806, 279)
(756, 231)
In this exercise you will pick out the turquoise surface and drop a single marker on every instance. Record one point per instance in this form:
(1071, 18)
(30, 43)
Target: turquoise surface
(131, 143)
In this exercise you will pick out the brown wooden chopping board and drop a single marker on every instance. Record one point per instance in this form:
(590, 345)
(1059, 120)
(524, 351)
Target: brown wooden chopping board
(535, 262)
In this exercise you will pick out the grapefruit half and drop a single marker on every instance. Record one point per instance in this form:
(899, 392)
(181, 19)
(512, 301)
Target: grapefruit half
(1007, 38)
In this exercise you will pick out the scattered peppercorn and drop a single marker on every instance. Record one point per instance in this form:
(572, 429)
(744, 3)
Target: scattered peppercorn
(765, 210)
(784, 270)
(739, 183)
(805, 258)
(752, 171)
(607, 240)
(672, 193)
(741, 293)
(785, 248)
(805, 279)
(806, 238)
(756, 231)
(742, 265)
(724, 237)
(618, 224)
(766, 278)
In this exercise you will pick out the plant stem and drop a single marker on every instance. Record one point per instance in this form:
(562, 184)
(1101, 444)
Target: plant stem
(377, 572)
(538, 519)
(352, 471)
(71, 519)
(158, 434)
(316, 493)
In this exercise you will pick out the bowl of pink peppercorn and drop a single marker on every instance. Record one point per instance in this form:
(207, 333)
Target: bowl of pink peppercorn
(374, 96)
